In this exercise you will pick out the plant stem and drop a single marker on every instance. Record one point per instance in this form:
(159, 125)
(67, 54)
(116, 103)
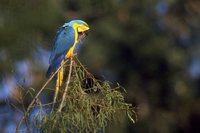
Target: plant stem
(35, 98)
(67, 85)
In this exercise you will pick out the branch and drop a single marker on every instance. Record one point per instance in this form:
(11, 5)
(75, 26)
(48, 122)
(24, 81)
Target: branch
(67, 86)
(35, 98)
(83, 67)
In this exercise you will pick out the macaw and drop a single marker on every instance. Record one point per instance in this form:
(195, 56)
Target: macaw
(66, 43)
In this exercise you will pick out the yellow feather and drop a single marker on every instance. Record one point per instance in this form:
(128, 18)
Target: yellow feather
(59, 82)
(71, 50)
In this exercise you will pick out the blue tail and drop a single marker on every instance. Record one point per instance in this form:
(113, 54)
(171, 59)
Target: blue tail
(54, 66)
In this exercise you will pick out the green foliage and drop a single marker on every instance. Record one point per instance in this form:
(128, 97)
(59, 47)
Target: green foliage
(90, 105)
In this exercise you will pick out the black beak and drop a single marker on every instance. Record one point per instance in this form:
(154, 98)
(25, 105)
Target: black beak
(86, 32)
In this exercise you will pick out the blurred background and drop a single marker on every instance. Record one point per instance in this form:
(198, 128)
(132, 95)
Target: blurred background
(150, 47)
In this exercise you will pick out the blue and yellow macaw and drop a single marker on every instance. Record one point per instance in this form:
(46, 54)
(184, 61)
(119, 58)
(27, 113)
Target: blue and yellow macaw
(65, 45)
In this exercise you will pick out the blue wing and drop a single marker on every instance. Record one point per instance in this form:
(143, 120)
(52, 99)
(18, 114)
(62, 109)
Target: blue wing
(63, 41)
(65, 38)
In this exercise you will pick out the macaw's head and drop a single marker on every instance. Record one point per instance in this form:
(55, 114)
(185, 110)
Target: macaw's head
(79, 25)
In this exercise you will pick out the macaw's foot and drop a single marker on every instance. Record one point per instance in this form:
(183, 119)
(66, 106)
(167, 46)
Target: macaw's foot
(73, 55)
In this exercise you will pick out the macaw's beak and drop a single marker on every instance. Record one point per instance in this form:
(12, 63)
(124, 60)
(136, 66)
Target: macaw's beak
(83, 28)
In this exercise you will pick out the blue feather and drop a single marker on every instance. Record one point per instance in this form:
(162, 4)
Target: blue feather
(54, 66)
(65, 38)
(63, 41)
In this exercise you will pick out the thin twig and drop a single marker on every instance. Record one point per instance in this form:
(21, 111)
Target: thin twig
(84, 68)
(35, 98)
(67, 85)
(56, 90)
(26, 120)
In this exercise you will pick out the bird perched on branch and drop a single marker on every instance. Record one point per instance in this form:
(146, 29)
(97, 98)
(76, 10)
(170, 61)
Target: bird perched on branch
(66, 43)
